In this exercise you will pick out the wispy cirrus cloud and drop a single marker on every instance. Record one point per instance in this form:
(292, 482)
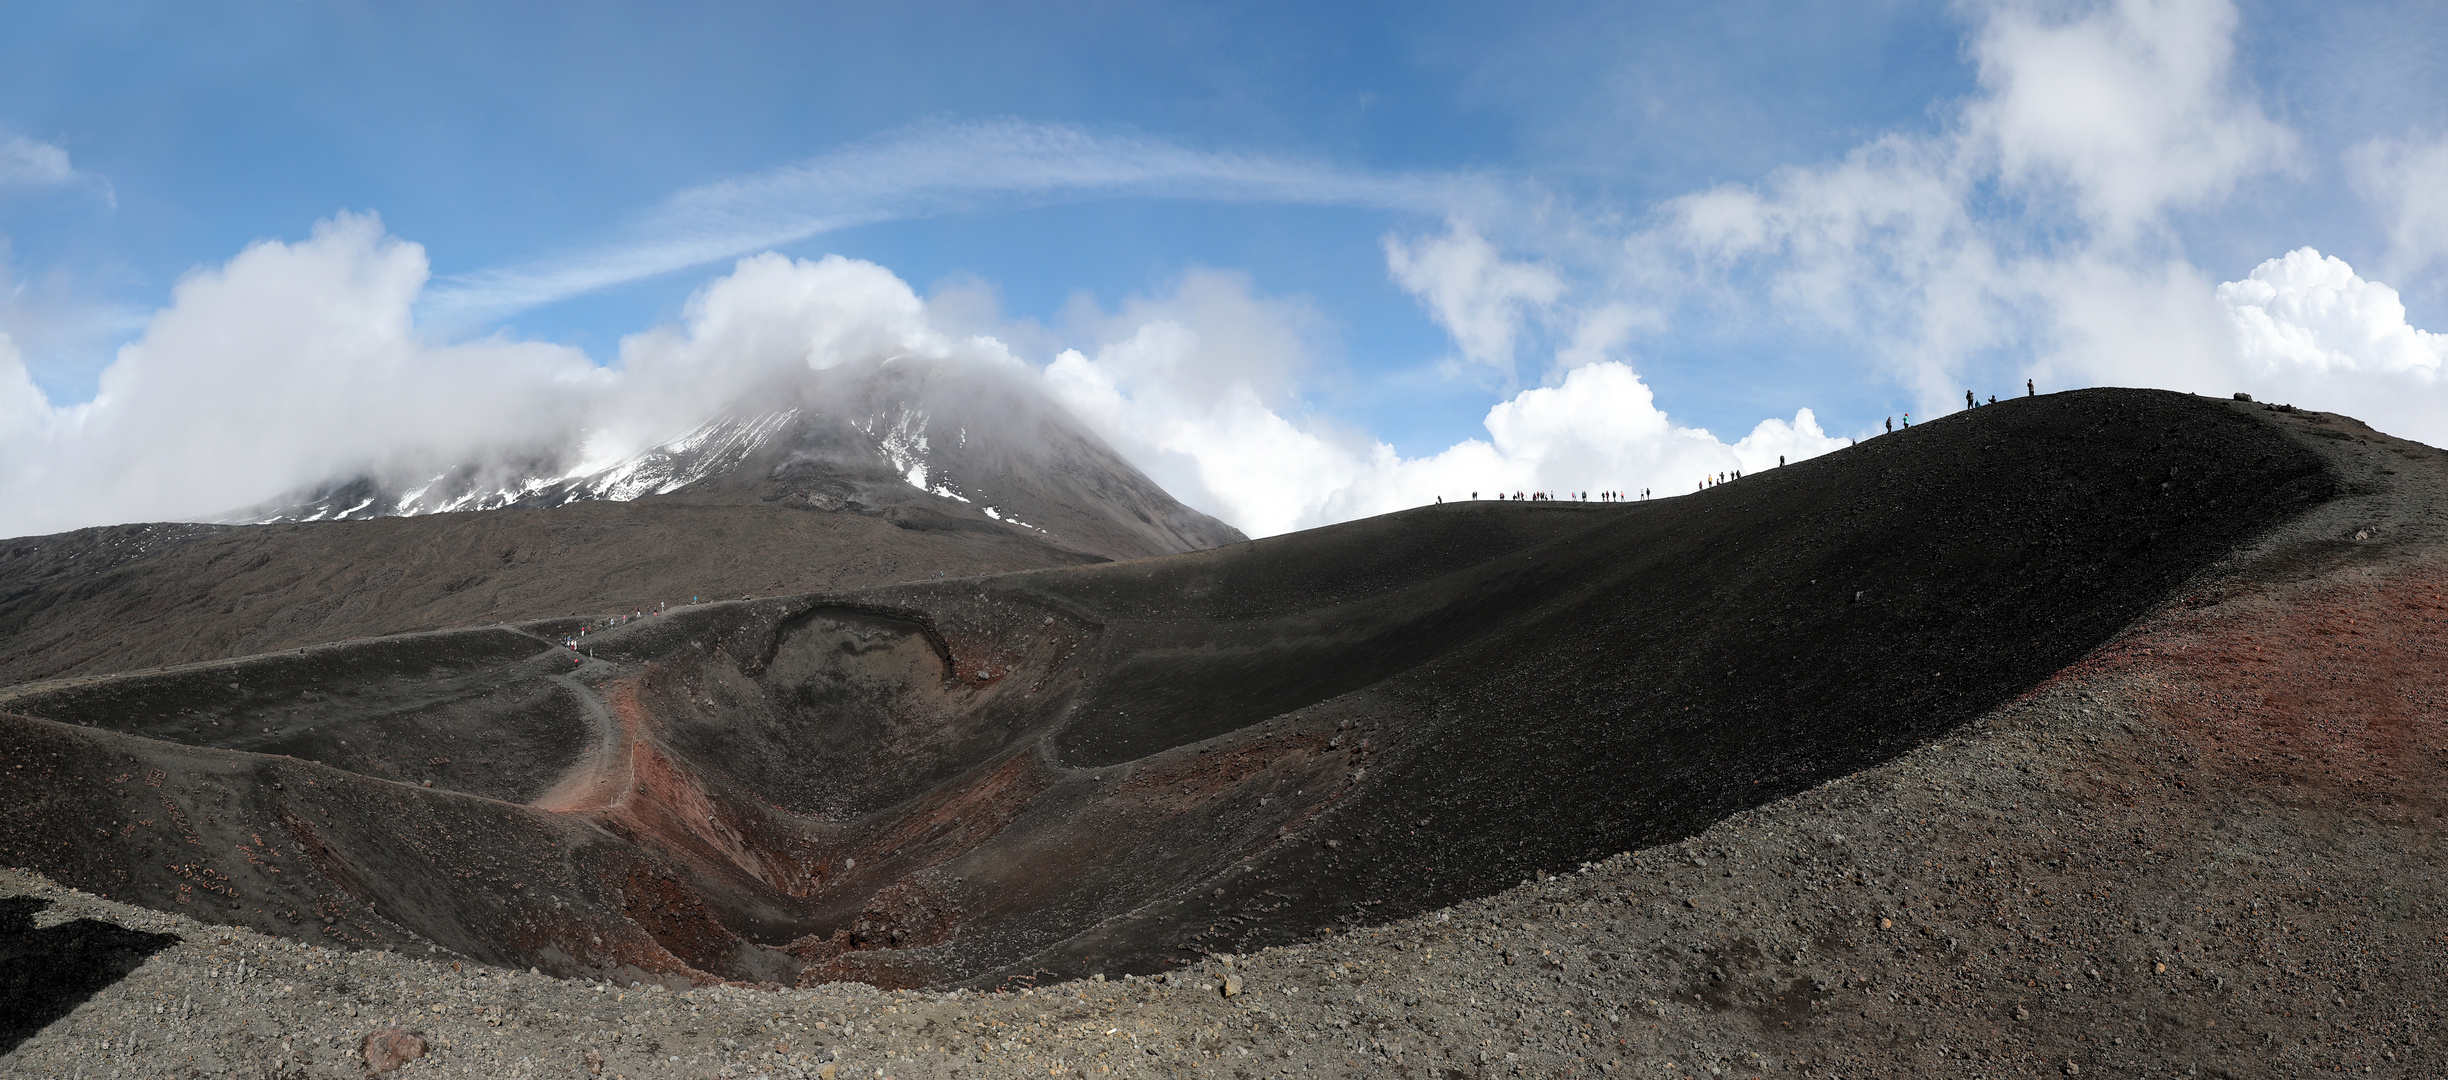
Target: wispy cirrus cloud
(25, 163)
(932, 170)
(32, 165)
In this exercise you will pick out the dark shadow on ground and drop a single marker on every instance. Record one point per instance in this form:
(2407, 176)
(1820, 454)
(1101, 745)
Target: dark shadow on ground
(46, 973)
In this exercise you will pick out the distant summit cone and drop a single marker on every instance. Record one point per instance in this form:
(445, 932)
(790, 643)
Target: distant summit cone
(928, 445)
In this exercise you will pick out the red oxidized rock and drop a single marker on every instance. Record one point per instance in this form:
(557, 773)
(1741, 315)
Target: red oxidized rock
(389, 1048)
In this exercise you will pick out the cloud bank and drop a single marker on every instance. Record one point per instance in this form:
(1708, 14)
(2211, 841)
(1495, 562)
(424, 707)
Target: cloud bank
(296, 363)
(1199, 389)
(289, 362)
(300, 362)
(2307, 328)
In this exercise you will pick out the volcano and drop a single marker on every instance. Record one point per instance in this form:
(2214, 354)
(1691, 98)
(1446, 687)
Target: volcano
(1113, 767)
(892, 438)
(851, 476)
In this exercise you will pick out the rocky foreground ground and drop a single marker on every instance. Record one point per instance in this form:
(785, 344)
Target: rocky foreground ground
(2064, 888)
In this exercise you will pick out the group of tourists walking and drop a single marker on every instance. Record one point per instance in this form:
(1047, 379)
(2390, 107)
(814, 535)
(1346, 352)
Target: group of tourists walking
(1569, 496)
(1971, 401)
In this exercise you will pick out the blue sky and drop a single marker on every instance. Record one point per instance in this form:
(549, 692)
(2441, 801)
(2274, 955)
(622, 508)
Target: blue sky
(494, 134)
(574, 175)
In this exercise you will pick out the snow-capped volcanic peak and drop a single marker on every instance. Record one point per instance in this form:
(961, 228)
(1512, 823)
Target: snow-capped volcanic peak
(712, 449)
(927, 445)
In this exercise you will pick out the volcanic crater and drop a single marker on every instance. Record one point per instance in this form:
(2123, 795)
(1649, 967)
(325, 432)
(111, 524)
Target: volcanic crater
(1049, 773)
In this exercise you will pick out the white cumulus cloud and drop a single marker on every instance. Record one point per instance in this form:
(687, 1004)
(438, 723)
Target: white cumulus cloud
(1472, 291)
(769, 317)
(2308, 329)
(285, 366)
(1165, 387)
(2309, 313)
(2303, 328)
(2130, 105)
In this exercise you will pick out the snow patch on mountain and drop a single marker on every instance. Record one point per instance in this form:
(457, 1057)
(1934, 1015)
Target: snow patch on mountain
(903, 443)
(714, 447)
(997, 514)
(710, 449)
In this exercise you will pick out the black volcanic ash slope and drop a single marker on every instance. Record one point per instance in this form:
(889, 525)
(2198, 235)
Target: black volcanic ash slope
(1626, 684)
(1112, 767)
(135, 597)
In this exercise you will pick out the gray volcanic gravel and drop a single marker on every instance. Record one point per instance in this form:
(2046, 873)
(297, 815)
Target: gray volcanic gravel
(1969, 909)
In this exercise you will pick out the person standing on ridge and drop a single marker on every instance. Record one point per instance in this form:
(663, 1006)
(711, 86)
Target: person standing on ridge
(1907, 419)
(2027, 389)
(1968, 401)
(1891, 425)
